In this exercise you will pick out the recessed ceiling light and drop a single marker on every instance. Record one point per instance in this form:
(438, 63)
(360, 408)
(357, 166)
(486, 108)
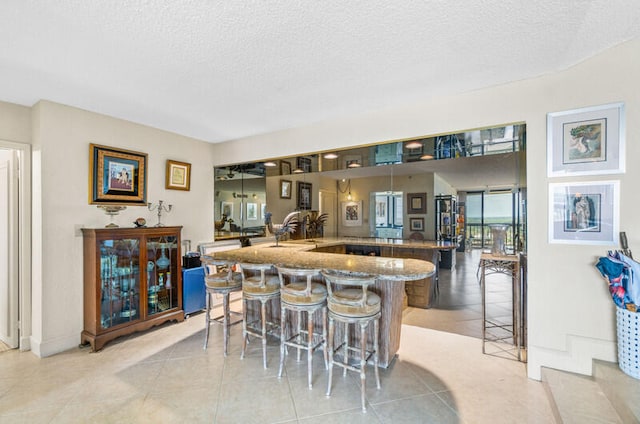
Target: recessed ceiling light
(426, 157)
(330, 156)
(297, 171)
(354, 165)
(413, 145)
(270, 164)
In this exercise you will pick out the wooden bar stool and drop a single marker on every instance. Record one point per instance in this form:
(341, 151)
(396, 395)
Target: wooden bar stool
(219, 278)
(257, 285)
(299, 293)
(350, 302)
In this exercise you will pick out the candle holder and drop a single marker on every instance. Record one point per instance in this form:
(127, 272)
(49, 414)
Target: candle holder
(159, 207)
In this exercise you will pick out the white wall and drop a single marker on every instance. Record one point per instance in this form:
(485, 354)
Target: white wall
(571, 318)
(61, 137)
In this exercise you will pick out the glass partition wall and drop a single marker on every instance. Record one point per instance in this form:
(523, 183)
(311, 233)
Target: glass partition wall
(386, 190)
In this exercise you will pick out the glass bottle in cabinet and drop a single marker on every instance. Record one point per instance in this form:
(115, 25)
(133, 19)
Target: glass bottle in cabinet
(132, 281)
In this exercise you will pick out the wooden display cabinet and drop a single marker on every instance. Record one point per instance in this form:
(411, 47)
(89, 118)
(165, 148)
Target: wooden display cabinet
(132, 281)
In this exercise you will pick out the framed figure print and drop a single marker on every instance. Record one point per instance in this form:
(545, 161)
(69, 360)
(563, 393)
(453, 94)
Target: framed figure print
(117, 176)
(584, 212)
(285, 189)
(304, 195)
(226, 208)
(352, 213)
(586, 141)
(178, 175)
(252, 211)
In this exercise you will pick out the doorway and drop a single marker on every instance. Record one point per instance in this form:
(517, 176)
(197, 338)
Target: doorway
(15, 245)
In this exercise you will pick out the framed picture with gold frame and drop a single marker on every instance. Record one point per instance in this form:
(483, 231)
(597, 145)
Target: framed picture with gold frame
(117, 176)
(178, 175)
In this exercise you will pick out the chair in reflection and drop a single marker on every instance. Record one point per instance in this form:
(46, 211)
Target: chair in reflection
(259, 284)
(222, 280)
(301, 290)
(351, 302)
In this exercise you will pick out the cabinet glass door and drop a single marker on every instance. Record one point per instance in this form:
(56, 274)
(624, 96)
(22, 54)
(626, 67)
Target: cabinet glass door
(162, 269)
(119, 282)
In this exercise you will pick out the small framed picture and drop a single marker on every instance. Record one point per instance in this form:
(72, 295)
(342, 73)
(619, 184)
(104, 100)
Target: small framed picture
(285, 189)
(178, 175)
(416, 224)
(285, 167)
(304, 195)
(352, 213)
(586, 141)
(303, 164)
(416, 203)
(584, 212)
(252, 211)
(226, 208)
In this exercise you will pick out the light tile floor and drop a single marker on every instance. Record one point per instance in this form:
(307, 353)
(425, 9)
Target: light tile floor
(164, 375)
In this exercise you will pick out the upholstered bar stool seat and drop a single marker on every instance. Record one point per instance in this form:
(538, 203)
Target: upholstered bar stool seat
(220, 279)
(350, 302)
(306, 296)
(258, 284)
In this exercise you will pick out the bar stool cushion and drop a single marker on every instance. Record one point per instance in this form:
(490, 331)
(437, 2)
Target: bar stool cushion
(221, 280)
(253, 285)
(295, 293)
(348, 302)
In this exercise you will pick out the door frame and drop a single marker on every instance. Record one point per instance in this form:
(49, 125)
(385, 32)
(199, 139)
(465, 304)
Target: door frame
(23, 235)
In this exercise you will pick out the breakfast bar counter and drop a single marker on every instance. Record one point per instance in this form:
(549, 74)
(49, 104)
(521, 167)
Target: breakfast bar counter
(391, 274)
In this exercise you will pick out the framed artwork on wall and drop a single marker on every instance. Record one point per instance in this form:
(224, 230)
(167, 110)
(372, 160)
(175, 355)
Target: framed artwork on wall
(178, 175)
(285, 189)
(226, 208)
(352, 213)
(117, 176)
(252, 211)
(416, 203)
(285, 167)
(586, 141)
(303, 164)
(584, 212)
(416, 224)
(304, 196)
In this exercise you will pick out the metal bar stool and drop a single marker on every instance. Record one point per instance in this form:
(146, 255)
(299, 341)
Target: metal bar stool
(299, 293)
(220, 279)
(257, 285)
(350, 302)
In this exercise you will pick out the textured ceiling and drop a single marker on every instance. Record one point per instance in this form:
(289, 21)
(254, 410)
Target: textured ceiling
(220, 70)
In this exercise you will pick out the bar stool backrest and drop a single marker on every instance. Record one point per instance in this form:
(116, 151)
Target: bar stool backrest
(348, 293)
(255, 274)
(299, 285)
(217, 269)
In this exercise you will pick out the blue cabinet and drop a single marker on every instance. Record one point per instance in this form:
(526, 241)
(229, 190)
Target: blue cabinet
(193, 291)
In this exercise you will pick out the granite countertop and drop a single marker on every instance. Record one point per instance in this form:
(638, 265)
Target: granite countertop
(298, 254)
(373, 241)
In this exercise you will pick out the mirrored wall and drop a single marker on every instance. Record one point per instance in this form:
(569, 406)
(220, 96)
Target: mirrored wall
(385, 190)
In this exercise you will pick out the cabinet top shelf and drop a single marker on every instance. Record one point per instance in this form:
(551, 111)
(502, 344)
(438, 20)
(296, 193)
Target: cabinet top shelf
(146, 230)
